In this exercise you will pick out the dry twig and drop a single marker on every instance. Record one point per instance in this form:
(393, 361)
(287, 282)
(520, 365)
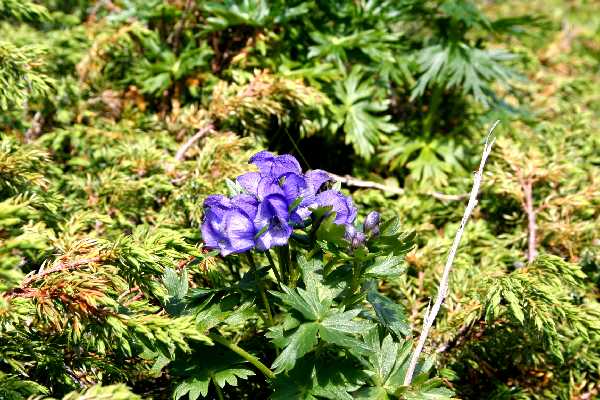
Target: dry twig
(349, 180)
(180, 155)
(432, 311)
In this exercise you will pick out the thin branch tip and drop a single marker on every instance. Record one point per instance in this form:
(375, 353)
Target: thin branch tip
(433, 310)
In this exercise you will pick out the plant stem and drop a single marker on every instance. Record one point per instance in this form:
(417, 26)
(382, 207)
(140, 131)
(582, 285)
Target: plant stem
(219, 391)
(356, 271)
(283, 254)
(261, 289)
(273, 267)
(265, 300)
(436, 99)
(244, 354)
(312, 253)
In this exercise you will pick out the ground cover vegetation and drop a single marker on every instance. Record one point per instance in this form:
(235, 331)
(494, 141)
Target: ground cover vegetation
(256, 199)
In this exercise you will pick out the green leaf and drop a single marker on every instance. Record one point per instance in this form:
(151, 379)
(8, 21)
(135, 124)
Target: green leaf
(361, 110)
(302, 341)
(389, 314)
(306, 302)
(177, 285)
(390, 266)
(193, 388)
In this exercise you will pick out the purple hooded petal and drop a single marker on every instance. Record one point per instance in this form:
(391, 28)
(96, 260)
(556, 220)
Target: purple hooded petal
(219, 204)
(247, 203)
(299, 194)
(240, 232)
(272, 207)
(295, 186)
(316, 178)
(268, 185)
(211, 236)
(345, 212)
(249, 181)
(271, 165)
(358, 240)
(371, 221)
(272, 220)
(350, 232)
(228, 225)
(278, 234)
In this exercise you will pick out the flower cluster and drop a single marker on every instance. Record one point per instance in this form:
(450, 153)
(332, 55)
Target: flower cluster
(276, 199)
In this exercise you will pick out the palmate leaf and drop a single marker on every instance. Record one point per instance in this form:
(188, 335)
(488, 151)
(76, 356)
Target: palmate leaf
(261, 13)
(306, 302)
(386, 365)
(386, 267)
(313, 378)
(469, 69)
(322, 322)
(219, 368)
(299, 343)
(429, 161)
(389, 314)
(359, 108)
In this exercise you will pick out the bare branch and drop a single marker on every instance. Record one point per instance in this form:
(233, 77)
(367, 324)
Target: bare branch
(527, 187)
(349, 180)
(180, 155)
(443, 286)
(355, 182)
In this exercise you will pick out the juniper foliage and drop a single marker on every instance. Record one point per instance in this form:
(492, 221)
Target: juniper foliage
(120, 117)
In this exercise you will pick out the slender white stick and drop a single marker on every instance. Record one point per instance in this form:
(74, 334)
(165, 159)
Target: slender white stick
(432, 312)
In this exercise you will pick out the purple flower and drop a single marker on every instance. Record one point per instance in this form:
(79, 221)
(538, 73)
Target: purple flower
(358, 240)
(228, 224)
(271, 165)
(371, 223)
(345, 212)
(317, 178)
(299, 195)
(277, 198)
(271, 222)
(350, 232)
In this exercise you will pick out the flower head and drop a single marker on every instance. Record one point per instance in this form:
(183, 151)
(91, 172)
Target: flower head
(271, 165)
(345, 212)
(371, 223)
(277, 199)
(271, 222)
(228, 224)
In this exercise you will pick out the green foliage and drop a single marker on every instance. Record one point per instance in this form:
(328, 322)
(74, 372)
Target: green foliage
(106, 291)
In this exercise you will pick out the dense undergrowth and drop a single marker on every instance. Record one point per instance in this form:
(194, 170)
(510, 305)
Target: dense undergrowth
(119, 118)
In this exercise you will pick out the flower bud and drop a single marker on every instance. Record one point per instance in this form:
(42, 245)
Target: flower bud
(371, 222)
(350, 232)
(375, 231)
(358, 240)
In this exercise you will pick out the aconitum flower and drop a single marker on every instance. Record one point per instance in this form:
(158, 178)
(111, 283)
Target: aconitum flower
(228, 224)
(316, 179)
(276, 199)
(345, 212)
(358, 240)
(271, 165)
(271, 222)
